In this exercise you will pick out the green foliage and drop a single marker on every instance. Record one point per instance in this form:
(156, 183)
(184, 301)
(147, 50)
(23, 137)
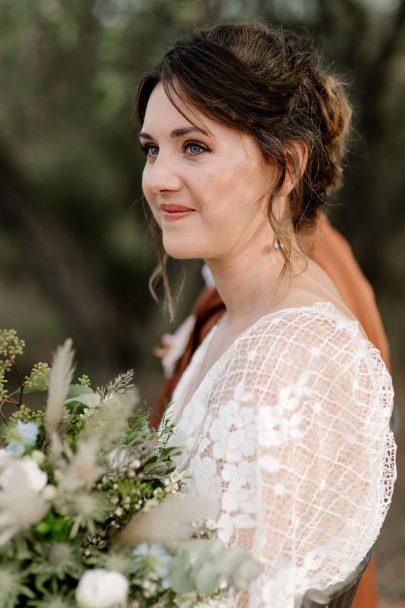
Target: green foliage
(26, 414)
(10, 346)
(52, 528)
(37, 380)
(84, 380)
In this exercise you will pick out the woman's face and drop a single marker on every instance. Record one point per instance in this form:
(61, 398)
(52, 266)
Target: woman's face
(207, 186)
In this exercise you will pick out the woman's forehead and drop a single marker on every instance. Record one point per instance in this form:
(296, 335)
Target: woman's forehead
(173, 118)
(163, 112)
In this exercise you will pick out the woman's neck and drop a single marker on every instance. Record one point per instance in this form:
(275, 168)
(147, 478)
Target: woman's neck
(247, 283)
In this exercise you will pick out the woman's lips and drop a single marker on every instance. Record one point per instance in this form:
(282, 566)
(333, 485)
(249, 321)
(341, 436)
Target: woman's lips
(172, 213)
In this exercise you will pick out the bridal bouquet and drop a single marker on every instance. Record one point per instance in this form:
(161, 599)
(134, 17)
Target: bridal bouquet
(93, 512)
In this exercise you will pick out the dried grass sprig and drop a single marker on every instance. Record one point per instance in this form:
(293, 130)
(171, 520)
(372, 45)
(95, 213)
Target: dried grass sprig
(82, 470)
(110, 419)
(169, 522)
(60, 378)
(118, 386)
(55, 451)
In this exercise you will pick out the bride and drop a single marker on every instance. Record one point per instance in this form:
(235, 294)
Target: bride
(284, 409)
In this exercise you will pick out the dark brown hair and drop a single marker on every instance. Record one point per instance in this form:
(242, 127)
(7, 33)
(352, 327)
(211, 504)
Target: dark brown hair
(269, 83)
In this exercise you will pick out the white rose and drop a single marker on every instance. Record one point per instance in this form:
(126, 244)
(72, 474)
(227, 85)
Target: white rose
(100, 588)
(36, 478)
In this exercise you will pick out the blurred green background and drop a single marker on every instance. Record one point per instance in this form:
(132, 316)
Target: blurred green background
(75, 254)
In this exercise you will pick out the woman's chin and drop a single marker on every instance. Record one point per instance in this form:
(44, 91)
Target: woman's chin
(182, 251)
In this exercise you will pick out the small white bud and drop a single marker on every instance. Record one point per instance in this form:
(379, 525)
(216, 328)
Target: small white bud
(49, 493)
(175, 476)
(38, 456)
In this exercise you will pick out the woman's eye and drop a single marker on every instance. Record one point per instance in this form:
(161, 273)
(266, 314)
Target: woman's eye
(190, 148)
(194, 148)
(150, 150)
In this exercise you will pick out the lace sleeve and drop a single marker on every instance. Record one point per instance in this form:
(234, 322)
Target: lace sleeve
(298, 429)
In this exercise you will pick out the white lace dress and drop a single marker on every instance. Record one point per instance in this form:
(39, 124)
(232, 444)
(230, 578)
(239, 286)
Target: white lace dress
(288, 436)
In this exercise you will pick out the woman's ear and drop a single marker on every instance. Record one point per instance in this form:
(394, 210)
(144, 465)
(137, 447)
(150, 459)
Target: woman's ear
(296, 154)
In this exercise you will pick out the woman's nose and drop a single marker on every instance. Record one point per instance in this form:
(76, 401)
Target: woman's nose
(161, 176)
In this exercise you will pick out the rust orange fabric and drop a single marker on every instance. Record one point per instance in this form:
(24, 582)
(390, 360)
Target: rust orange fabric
(331, 251)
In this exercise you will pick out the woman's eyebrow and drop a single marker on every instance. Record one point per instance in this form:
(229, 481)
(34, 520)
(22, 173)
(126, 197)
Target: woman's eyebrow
(177, 132)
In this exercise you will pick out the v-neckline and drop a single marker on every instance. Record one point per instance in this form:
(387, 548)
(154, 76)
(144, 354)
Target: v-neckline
(182, 388)
(184, 383)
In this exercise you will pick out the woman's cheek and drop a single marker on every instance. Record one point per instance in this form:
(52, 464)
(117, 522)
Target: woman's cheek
(156, 215)
(153, 208)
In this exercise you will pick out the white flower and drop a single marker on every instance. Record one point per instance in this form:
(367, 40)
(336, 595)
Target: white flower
(21, 504)
(36, 478)
(100, 588)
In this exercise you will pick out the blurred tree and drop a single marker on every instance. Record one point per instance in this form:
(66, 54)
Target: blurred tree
(72, 224)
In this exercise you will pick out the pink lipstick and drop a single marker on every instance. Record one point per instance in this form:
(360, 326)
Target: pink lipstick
(175, 212)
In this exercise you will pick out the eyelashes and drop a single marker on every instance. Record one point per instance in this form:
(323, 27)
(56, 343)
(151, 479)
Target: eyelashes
(146, 149)
(194, 144)
(190, 148)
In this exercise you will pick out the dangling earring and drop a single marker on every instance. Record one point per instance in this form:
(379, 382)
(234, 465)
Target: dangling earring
(278, 246)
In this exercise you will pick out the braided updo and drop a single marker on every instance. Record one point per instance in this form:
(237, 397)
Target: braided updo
(268, 83)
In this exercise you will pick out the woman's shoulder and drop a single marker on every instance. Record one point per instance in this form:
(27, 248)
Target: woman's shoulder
(316, 322)
(312, 346)
(313, 335)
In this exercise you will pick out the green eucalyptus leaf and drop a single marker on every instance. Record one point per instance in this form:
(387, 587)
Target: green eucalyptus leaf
(206, 578)
(89, 400)
(248, 570)
(37, 388)
(180, 575)
(78, 389)
(232, 559)
(79, 398)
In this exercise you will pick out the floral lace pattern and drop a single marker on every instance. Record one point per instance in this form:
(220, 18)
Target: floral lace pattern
(288, 437)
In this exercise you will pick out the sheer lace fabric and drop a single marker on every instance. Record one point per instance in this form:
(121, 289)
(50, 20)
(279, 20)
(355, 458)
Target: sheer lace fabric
(288, 437)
